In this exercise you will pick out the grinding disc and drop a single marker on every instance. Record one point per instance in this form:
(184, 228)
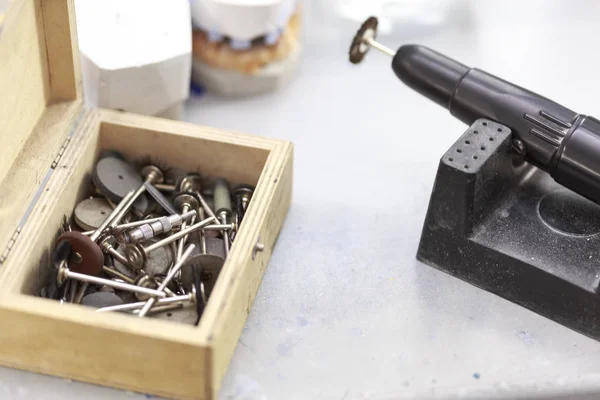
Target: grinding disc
(159, 260)
(124, 269)
(101, 299)
(91, 213)
(91, 258)
(359, 48)
(114, 178)
(157, 263)
(215, 246)
(209, 265)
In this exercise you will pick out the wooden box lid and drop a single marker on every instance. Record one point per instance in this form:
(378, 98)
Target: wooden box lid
(40, 86)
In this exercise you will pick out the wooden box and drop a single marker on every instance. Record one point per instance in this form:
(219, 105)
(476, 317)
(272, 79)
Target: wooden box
(50, 145)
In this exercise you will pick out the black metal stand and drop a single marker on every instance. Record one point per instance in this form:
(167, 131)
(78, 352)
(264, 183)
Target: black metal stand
(507, 227)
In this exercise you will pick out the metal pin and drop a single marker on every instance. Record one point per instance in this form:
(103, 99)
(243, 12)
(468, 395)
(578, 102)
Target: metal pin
(73, 291)
(107, 243)
(185, 202)
(166, 281)
(83, 287)
(64, 274)
(137, 254)
(128, 225)
(384, 49)
(163, 187)
(120, 207)
(162, 225)
(223, 207)
(219, 227)
(152, 174)
(190, 297)
(113, 272)
(193, 183)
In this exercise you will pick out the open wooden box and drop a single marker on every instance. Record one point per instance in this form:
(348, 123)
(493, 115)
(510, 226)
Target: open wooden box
(50, 145)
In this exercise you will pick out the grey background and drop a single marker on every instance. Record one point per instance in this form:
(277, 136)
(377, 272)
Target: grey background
(344, 310)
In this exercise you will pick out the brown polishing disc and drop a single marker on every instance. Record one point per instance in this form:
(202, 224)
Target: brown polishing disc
(86, 256)
(359, 48)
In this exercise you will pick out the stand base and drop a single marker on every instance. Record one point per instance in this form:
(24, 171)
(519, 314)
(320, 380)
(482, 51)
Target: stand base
(508, 228)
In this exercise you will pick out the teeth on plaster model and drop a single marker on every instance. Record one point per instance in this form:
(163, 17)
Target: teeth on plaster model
(214, 36)
(237, 44)
(242, 19)
(271, 38)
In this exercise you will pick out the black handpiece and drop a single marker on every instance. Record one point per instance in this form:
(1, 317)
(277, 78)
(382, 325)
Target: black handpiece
(555, 139)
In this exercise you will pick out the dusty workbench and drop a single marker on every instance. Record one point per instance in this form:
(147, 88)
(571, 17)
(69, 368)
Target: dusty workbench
(344, 310)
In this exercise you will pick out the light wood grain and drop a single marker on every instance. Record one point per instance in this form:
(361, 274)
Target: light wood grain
(39, 66)
(23, 80)
(207, 348)
(31, 164)
(236, 288)
(60, 32)
(207, 150)
(40, 339)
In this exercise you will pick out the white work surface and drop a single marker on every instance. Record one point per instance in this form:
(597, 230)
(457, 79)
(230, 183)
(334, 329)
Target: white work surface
(344, 310)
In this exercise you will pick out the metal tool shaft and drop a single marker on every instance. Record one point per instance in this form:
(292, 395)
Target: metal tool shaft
(373, 43)
(166, 281)
(114, 273)
(138, 305)
(113, 284)
(113, 215)
(178, 235)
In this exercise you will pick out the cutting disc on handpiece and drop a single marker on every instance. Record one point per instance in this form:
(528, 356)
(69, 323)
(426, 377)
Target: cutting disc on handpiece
(91, 213)
(359, 47)
(86, 257)
(114, 178)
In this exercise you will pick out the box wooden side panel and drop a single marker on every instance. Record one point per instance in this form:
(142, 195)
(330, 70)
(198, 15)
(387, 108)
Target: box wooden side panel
(39, 64)
(37, 341)
(56, 201)
(31, 165)
(23, 79)
(236, 288)
(62, 50)
(210, 151)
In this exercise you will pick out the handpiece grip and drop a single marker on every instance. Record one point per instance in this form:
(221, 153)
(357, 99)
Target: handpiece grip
(556, 139)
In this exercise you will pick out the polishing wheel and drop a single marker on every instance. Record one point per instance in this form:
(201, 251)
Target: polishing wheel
(359, 46)
(86, 257)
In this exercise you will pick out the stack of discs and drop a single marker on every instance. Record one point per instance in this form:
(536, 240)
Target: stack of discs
(245, 47)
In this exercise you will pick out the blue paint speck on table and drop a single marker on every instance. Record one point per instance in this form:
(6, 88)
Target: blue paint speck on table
(476, 375)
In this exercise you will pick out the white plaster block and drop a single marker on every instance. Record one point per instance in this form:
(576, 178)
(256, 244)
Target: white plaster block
(135, 54)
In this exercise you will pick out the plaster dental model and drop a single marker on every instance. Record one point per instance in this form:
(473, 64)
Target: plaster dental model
(245, 47)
